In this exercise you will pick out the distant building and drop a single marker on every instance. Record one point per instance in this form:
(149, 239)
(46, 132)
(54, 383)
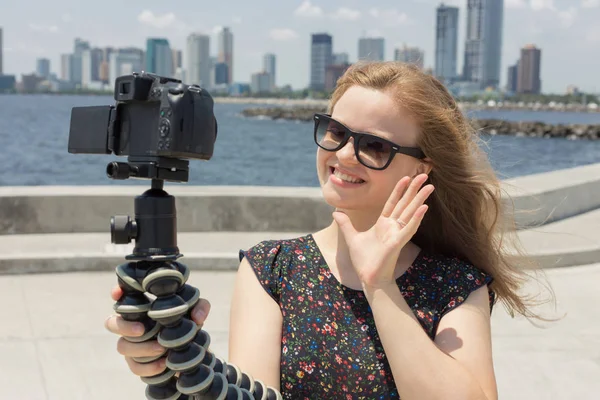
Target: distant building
(529, 70)
(333, 73)
(321, 56)
(225, 51)
(177, 56)
(269, 66)
(66, 62)
(159, 59)
(512, 78)
(341, 58)
(573, 90)
(90, 68)
(7, 82)
(260, 82)
(198, 62)
(446, 43)
(483, 45)
(29, 83)
(239, 89)
(124, 62)
(371, 49)
(42, 68)
(412, 55)
(1, 51)
(76, 67)
(221, 73)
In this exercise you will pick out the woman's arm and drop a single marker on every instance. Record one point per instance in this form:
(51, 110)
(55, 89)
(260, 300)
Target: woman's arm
(457, 366)
(255, 329)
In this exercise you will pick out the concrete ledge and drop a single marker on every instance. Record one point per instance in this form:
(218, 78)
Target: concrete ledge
(69, 209)
(570, 242)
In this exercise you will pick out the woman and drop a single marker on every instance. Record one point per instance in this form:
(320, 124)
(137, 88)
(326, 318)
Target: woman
(393, 298)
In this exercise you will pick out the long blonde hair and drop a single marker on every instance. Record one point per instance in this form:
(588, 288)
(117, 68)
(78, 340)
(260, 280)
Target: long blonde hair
(467, 217)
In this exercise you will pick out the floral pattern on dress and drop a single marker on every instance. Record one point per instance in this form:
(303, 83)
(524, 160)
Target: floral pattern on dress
(330, 348)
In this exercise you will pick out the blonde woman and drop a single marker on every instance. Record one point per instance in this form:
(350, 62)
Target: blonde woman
(393, 298)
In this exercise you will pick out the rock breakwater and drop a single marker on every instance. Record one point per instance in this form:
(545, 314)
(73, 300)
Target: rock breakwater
(489, 126)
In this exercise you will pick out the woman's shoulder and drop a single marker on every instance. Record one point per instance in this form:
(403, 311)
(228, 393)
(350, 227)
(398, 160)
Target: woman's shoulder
(274, 248)
(270, 260)
(451, 279)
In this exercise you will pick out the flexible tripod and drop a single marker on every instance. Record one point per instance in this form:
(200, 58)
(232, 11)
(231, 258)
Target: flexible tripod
(155, 293)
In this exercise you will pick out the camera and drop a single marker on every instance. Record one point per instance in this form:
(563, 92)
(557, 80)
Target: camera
(154, 118)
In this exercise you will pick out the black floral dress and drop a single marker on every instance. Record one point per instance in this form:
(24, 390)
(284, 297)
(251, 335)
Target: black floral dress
(330, 348)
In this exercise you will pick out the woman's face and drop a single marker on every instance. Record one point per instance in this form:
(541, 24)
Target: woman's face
(375, 112)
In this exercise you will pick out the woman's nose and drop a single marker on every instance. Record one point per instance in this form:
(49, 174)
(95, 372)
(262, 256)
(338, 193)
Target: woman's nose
(347, 153)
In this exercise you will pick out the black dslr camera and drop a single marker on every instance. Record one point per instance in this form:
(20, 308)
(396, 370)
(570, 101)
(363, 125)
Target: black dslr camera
(156, 122)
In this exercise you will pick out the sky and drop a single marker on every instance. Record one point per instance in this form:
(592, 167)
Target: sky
(567, 31)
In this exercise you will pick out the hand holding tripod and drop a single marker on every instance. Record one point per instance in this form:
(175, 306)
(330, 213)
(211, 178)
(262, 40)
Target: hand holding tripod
(155, 293)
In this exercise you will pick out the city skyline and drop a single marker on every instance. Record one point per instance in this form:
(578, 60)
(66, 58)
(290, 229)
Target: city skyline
(49, 31)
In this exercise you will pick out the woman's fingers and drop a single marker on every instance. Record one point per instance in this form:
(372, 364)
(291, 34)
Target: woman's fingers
(149, 369)
(116, 293)
(408, 197)
(144, 349)
(116, 324)
(395, 196)
(200, 312)
(418, 201)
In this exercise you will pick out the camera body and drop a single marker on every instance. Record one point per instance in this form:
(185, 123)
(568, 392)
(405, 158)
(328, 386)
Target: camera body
(153, 117)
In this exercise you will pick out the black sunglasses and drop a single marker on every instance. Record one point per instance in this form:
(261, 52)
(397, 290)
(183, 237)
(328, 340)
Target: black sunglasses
(371, 151)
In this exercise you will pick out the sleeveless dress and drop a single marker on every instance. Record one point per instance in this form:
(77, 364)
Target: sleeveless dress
(330, 348)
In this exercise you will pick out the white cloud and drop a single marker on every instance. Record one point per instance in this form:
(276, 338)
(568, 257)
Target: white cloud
(374, 12)
(43, 28)
(590, 3)
(538, 5)
(515, 3)
(346, 14)
(217, 29)
(567, 17)
(283, 34)
(307, 9)
(237, 20)
(147, 17)
(390, 17)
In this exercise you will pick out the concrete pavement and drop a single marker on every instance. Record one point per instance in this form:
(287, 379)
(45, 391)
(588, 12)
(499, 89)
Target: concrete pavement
(53, 345)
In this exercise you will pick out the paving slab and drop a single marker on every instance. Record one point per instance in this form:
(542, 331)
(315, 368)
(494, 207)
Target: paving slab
(56, 347)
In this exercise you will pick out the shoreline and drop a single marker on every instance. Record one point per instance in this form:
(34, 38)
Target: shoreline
(309, 102)
(490, 126)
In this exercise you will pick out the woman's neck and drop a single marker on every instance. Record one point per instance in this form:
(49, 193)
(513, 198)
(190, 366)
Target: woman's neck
(334, 248)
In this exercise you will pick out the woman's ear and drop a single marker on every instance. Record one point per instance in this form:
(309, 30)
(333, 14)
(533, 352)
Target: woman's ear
(425, 166)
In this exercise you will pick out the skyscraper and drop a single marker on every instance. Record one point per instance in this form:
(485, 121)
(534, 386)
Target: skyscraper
(159, 59)
(321, 56)
(76, 69)
(42, 68)
(512, 78)
(269, 66)
(198, 60)
(483, 44)
(66, 63)
(340, 58)
(446, 43)
(1, 50)
(225, 51)
(371, 49)
(124, 62)
(528, 80)
(412, 55)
